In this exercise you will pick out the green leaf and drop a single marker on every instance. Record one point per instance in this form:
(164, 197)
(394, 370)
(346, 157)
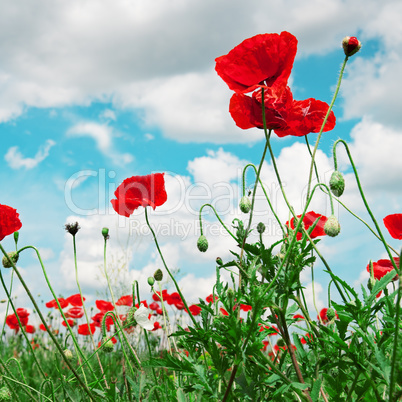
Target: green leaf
(315, 390)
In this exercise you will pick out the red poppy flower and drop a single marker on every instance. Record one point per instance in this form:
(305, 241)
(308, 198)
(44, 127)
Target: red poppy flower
(266, 344)
(144, 302)
(12, 320)
(159, 311)
(308, 221)
(324, 317)
(125, 301)
(174, 298)
(298, 317)
(156, 326)
(30, 329)
(245, 307)
(154, 306)
(53, 303)
(75, 312)
(394, 225)
(195, 310)
(272, 330)
(9, 221)
(42, 327)
(223, 311)
(265, 59)
(283, 114)
(210, 298)
(139, 191)
(306, 338)
(382, 267)
(71, 322)
(84, 330)
(164, 296)
(104, 306)
(75, 300)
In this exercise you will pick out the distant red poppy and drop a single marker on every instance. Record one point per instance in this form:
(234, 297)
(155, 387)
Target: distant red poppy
(306, 338)
(308, 220)
(53, 304)
(154, 306)
(159, 311)
(84, 330)
(104, 306)
(272, 330)
(382, 267)
(164, 296)
(30, 329)
(98, 318)
(42, 327)
(298, 317)
(12, 320)
(277, 348)
(394, 225)
(71, 322)
(139, 191)
(156, 326)
(144, 302)
(195, 310)
(75, 300)
(324, 317)
(125, 301)
(223, 311)
(9, 221)
(265, 59)
(245, 307)
(174, 298)
(210, 298)
(75, 312)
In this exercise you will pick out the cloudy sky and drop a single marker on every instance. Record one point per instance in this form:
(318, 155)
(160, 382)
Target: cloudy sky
(93, 92)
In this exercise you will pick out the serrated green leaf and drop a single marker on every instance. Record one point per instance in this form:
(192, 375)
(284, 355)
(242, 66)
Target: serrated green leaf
(315, 390)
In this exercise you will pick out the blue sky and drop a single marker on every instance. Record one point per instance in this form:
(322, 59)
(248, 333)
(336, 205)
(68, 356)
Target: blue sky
(90, 95)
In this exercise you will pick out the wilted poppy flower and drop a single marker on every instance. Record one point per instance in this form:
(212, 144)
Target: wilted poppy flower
(9, 221)
(104, 306)
(84, 330)
(53, 304)
(71, 322)
(75, 312)
(394, 225)
(210, 298)
(195, 310)
(125, 301)
(382, 267)
(139, 191)
(75, 300)
(308, 220)
(265, 59)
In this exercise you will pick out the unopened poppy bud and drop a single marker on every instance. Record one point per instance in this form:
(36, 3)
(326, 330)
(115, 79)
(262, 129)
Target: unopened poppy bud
(351, 45)
(331, 314)
(68, 354)
(371, 283)
(16, 237)
(151, 281)
(280, 342)
(105, 233)
(202, 244)
(158, 275)
(5, 394)
(219, 261)
(332, 226)
(260, 228)
(230, 293)
(130, 316)
(337, 183)
(13, 257)
(245, 204)
(107, 345)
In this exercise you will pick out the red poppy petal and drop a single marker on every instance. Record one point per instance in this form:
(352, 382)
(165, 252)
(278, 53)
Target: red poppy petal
(9, 221)
(394, 225)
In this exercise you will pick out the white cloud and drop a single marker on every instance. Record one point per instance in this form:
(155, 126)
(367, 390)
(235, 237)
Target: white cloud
(102, 135)
(16, 159)
(108, 114)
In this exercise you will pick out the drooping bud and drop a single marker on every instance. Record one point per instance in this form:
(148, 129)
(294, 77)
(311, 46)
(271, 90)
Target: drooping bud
(245, 204)
(151, 281)
(332, 226)
(158, 275)
(107, 345)
(202, 244)
(351, 45)
(331, 314)
(219, 261)
(337, 183)
(260, 228)
(130, 316)
(105, 233)
(5, 394)
(68, 353)
(13, 257)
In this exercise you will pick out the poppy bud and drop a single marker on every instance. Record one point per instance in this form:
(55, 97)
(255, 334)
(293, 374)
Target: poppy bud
(245, 204)
(351, 45)
(331, 314)
(151, 281)
(260, 228)
(107, 345)
(130, 316)
(332, 226)
(68, 354)
(219, 261)
(371, 283)
(5, 394)
(202, 244)
(13, 257)
(337, 183)
(105, 233)
(16, 236)
(158, 275)
(280, 342)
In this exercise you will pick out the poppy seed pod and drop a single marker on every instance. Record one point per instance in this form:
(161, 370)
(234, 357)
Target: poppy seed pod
(332, 226)
(337, 183)
(351, 45)
(13, 257)
(202, 244)
(158, 275)
(245, 204)
(107, 345)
